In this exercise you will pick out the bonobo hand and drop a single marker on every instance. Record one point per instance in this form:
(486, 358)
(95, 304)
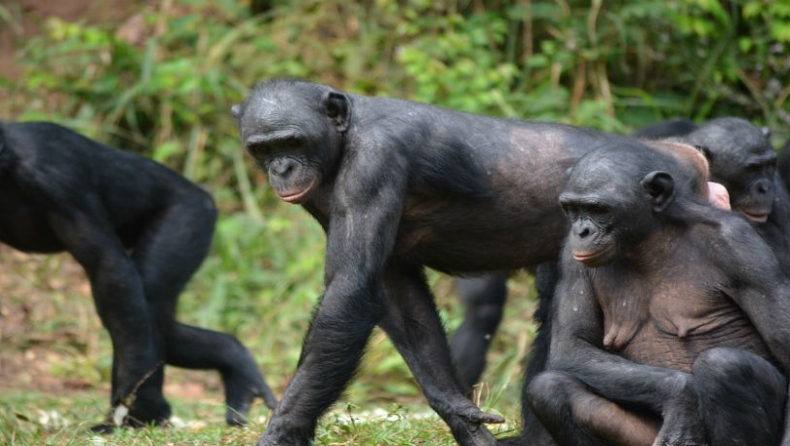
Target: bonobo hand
(682, 424)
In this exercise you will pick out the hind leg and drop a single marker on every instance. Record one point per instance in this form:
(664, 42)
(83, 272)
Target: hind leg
(167, 256)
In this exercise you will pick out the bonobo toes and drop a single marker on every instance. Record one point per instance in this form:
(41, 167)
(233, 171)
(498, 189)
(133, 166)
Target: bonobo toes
(468, 427)
(475, 415)
(241, 389)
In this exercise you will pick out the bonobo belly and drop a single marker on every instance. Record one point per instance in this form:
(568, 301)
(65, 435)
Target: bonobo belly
(26, 229)
(657, 347)
(480, 238)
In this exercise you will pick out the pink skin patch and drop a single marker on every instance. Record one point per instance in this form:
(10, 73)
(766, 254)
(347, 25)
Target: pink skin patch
(718, 196)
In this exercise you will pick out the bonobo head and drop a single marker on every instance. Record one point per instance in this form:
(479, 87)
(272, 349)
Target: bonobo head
(616, 196)
(742, 159)
(294, 131)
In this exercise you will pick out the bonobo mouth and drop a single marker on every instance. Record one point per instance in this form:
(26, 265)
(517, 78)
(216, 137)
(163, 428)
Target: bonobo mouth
(757, 218)
(593, 258)
(296, 197)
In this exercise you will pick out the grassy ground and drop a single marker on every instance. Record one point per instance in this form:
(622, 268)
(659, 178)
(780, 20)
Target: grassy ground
(55, 356)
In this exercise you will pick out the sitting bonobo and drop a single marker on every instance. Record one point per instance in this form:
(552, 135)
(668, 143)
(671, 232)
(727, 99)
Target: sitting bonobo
(670, 320)
(399, 186)
(140, 231)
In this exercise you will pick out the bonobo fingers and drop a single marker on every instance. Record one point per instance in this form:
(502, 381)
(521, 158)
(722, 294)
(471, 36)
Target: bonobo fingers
(689, 432)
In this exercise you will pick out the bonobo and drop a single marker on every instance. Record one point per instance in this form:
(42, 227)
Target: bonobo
(783, 164)
(483, 298)
(398, 186)
(670, 323)
(140, 231)
(742, 159)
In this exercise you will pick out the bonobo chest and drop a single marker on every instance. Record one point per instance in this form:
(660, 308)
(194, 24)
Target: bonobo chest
(667, 316)
(23, 224)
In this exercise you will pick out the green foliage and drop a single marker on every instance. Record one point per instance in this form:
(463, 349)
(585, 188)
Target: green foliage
(611, 65)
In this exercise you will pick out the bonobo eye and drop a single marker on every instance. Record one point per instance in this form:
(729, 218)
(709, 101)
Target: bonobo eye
(258, 149)
(765, 168)
(596, 210)
(291, 144)
(569, 209)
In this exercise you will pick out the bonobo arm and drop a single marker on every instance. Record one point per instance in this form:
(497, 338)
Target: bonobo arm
(763, 291)
(763, 294)
(577, 348)
(365, 208)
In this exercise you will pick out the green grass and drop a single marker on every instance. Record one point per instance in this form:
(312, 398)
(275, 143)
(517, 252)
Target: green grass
(55, 356)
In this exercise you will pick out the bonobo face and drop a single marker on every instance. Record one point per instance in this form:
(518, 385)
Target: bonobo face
(592, 239)
(743, 160)
(294, 132)
(610, 204)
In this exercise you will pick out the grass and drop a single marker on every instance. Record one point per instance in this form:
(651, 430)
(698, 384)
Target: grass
(259, 283)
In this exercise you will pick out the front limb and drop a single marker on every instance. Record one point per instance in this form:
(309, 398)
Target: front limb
(361, 230)
(412, 323)
(577, 349)
(331, 354)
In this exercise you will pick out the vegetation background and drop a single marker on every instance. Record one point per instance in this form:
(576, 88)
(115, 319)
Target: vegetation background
(159, 77)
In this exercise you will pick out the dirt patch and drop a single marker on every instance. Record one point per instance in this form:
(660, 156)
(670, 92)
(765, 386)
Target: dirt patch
(22, 19)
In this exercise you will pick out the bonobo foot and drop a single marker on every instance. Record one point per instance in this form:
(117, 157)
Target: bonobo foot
(242, 386)
(467, 426)
(141, 414)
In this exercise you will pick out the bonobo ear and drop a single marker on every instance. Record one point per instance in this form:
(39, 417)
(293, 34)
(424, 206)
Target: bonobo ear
(766, 132)
(236, 111)
(337, 107)
(661, 188)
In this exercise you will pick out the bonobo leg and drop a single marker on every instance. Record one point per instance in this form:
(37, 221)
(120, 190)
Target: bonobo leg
(577, 416)
(731, 397)
(412, 323)
(483, 298)
(532, 431)
(120, 303)
(742, 397)
(167, 255)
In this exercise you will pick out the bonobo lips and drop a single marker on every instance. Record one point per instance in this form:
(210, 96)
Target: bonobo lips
(296, 197)
(593, 258)
(757, 218)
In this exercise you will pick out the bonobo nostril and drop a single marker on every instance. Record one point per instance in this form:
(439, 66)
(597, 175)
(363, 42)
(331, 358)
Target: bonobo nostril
(764, 186)
(282, 166)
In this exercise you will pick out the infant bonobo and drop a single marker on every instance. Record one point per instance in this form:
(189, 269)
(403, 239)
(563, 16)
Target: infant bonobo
(140, 231)
(670, 325)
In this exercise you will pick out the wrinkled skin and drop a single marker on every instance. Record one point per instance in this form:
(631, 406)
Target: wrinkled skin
(669, 316)
(140, 231)
(399, 186)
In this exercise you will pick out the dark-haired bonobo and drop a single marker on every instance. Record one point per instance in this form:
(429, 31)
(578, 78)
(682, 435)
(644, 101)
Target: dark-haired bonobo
(670, 321)
(140, 231)
(399, 186)
(743, 160)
